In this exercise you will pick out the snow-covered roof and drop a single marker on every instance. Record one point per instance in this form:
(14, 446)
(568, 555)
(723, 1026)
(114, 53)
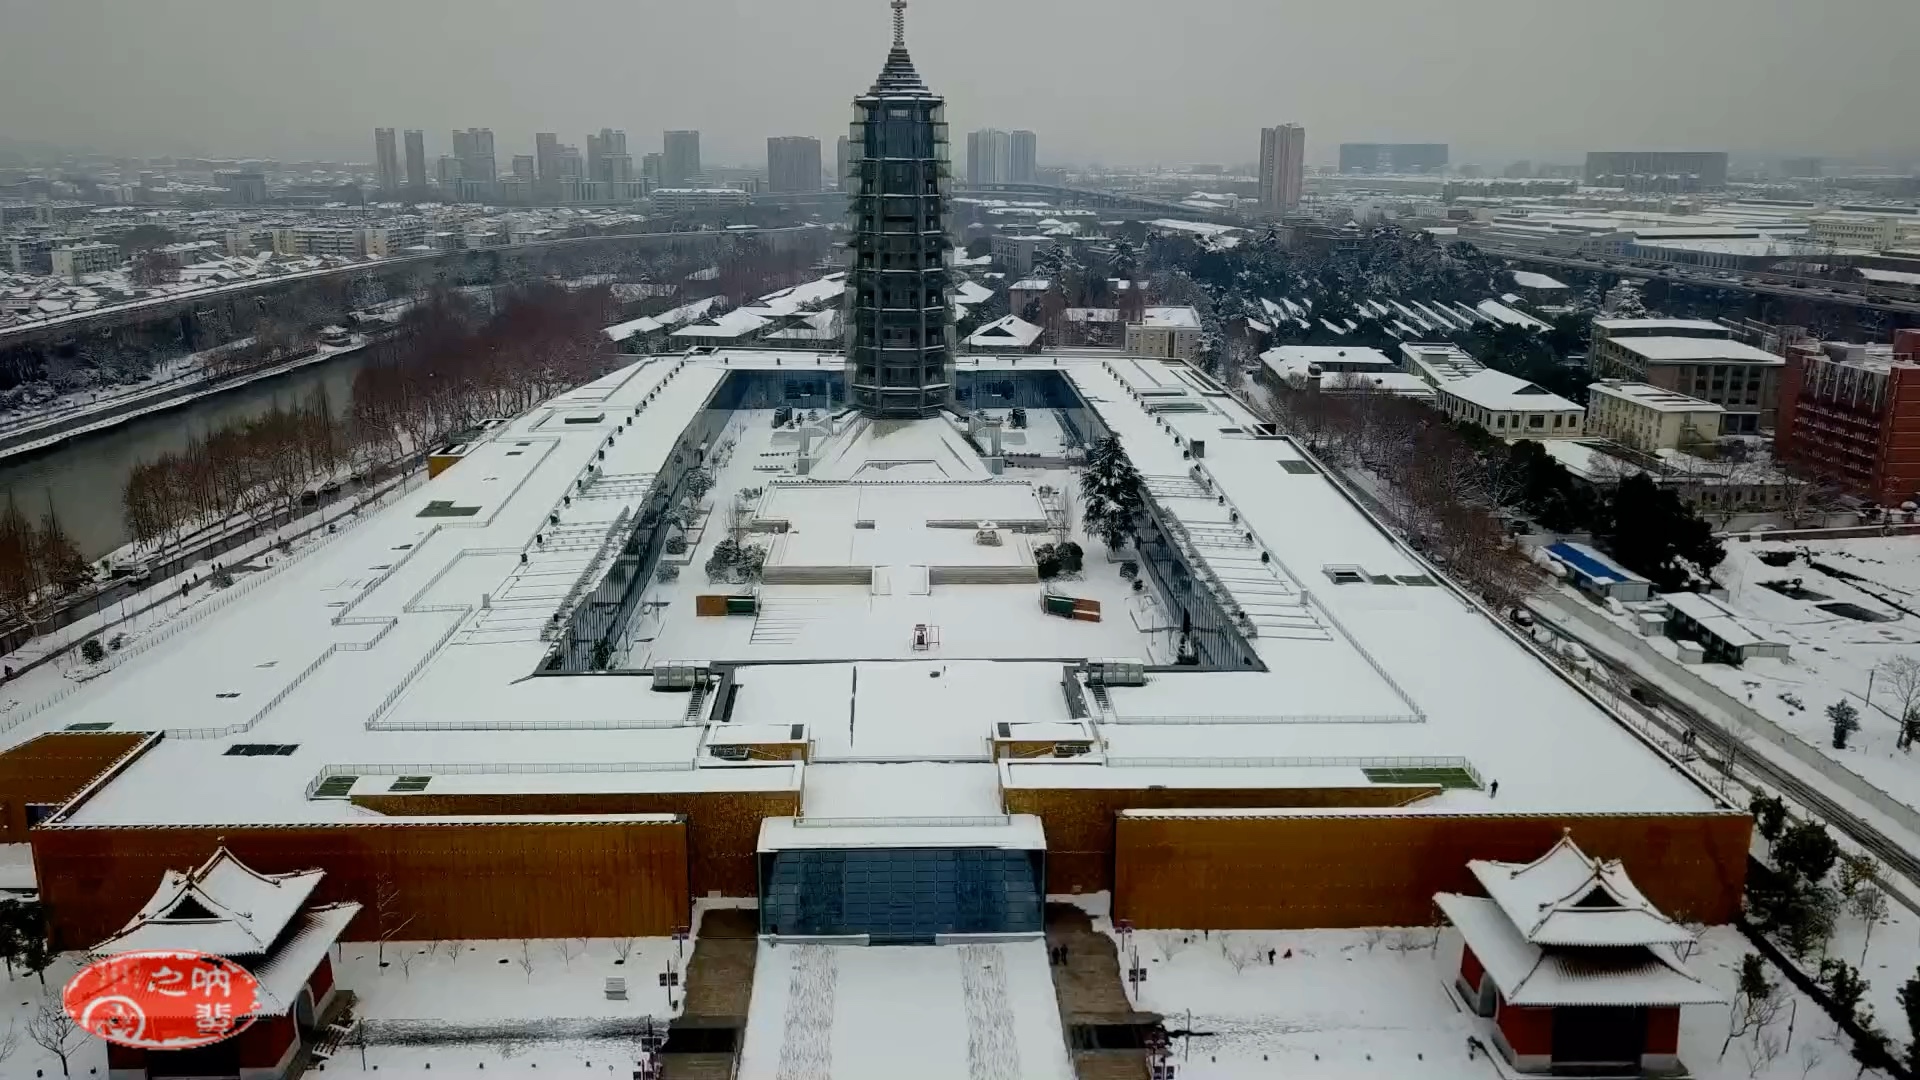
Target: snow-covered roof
(1091, 315)
(401, 647)
(735, 324)
(666, 320)
(1693, 350)
(1011, 331)
(223, 907)
(1529, 975)
(1651, 327)
(1032, 284)
(1722, 621)
(1527, 279)
(1184, 318)
(1657, 398)
(1567, 897)
(1289, 356)
(971, 292)
(1494, 309)
(1498, 391)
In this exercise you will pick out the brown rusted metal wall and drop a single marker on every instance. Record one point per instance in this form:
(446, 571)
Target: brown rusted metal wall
(723, 827)
(452, 880)
(1079, 821)
(1291, 872)
(52, 768)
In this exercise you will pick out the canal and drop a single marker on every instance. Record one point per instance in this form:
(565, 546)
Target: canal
(85, 478)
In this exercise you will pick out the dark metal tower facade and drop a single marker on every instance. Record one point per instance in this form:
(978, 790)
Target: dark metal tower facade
(899, 321)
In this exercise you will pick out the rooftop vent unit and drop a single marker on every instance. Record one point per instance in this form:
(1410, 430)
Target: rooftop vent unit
(1112, 672)
(680, 675)
(1072, 749)
(728, 751)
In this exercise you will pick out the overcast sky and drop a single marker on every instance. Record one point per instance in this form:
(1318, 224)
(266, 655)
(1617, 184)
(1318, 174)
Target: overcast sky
(1116, 81)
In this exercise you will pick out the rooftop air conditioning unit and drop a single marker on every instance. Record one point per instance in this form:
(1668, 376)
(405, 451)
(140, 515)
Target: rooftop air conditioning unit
(1120, 672)
(729, 751)
(680, 675)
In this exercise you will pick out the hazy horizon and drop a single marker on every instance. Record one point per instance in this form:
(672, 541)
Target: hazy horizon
(1115, 82)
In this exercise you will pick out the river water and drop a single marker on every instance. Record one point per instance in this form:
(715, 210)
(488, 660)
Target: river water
(86, 477)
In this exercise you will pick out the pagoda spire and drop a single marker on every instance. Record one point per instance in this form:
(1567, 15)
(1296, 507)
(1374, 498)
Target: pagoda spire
(899, 24)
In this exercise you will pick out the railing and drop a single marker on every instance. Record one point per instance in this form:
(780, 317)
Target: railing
(1459, 763)
(979, 821)
(489, 768)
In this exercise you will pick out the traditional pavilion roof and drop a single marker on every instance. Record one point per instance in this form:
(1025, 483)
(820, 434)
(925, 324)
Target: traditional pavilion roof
(1567, 897)
(1569, 929)
(898, 77)
(224, 907)
(1532, 975)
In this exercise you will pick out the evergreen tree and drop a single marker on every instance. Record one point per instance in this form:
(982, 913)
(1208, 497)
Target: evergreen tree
(1653, 533)
(1910, 1004)
(1846, 721)
(1111, 487)
(1807, 851)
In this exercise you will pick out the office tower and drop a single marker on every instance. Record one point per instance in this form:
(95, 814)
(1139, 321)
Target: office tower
(416, 160)
(1025, 165)
(546, 155)
(793, 164)
(386, 158)
(1283, 156)
(899, 323)
(989, 157)
(524, 168)
(474, 148)
(840, 164)
(682, 157)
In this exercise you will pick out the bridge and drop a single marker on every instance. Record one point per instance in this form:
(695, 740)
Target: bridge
(835, 202)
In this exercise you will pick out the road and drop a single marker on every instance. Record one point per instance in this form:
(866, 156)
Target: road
(1842, 292)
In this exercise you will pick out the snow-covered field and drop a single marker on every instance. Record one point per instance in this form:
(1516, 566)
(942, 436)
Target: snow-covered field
(1335, 1004)
(1833, 655)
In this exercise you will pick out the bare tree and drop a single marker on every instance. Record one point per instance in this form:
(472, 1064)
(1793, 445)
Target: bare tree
(452, 950)
(623, 949)
(1902, 676)
(9, 1043)
(526, 959)
(55, 1032)
(565, 947)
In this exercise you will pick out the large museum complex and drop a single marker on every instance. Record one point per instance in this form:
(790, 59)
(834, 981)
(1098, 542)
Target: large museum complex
(752, 624)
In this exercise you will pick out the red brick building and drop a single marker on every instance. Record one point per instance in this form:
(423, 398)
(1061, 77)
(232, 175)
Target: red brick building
(1574, 967)
(1851, 414)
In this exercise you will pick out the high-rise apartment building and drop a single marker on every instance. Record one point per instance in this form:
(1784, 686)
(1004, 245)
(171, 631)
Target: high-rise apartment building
(841, 155)
(653, 167)
(1283, 160)
(474, 148)
(524, 168)
(607, 157)
(681, 157)
(416, 160)
(793, 164)
(546, 155)
(386, 159)
(1024, 166)
(899, 323)
(989, 157)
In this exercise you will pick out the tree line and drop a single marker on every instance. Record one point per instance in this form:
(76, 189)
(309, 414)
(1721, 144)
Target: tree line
(1453, 486)
(452, 362)
(37, 561)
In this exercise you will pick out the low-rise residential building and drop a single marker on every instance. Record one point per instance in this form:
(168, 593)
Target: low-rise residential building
(77, 260)
(1165, 331)
(1018, 251)
(1509, 406)
(1865, 231)
(1010, 333)
(320, 240)
(1700, 359)
(691, 200)
(1650, 418)
(1851, 414)
(394, 235)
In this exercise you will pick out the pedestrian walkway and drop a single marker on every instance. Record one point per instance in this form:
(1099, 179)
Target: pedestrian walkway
(702, 1042)
(1105, 1032)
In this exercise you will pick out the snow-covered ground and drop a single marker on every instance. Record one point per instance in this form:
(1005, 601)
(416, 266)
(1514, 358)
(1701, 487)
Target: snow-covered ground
(171, 611)
(1335, 1004)
(1833, 655)
(441, 987)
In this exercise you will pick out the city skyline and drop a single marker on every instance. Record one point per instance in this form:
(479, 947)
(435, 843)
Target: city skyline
(1739, 93)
